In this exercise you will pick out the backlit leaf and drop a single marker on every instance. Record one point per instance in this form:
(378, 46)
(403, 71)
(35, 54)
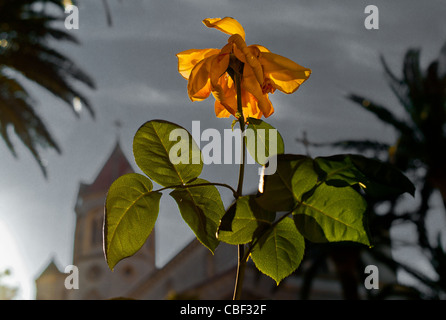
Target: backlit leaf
(332, 214)
(167, 153)
(277, 194)
(279, 251)
(131, 211)
(263, 140)
(243, 220)
(201, 207)
(324, 205)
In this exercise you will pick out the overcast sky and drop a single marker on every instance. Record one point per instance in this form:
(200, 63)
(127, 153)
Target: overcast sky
(134, 65)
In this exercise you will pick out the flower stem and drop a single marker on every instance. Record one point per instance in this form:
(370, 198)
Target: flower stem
(241, 121)
(241, 265)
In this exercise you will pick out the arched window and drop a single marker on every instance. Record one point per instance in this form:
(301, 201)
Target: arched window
(96, 228)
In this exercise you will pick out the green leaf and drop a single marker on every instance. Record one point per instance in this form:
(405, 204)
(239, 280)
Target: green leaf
(131, 211)
(377, 178)
(202, 209)
(277, 188)
(382, 178)
(309, 228)
(332, 214)
(263, 140)
(337, 171)
(243, 221)
(279, 251)
(167, 162)
(328, 212)
(322, 212)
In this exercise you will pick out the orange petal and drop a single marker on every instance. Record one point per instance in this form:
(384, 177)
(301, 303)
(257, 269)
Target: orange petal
(250, 106)
(199, 85)
(269, 110)
(259, 47)
(227, 25)
(219, 66)
(250, 56)
(250, 84)
(189, 58)
(224, 93)
(220, 110)
(285, 74)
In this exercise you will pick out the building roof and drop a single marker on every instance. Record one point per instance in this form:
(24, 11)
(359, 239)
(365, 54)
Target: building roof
(115, 166)
(51, 269)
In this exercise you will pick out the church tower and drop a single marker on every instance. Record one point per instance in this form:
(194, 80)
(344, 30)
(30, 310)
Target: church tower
(96, 280)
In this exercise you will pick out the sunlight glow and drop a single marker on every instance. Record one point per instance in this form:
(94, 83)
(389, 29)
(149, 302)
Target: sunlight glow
(11, 260)
(67, 3)
(77, 104)
(261, 180)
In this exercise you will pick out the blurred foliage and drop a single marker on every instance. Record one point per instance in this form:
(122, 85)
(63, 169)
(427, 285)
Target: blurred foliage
(419, 151)
(28, 29)
(6, 292)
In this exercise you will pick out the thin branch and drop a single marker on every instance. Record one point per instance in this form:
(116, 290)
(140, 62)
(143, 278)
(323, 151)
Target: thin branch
(107, 12)
(186, 186)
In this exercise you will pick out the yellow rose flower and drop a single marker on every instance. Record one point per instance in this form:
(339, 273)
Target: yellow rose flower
(261, 72)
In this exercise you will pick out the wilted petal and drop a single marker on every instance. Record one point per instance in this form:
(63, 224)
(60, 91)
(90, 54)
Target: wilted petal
(285, 74)
(259, 47)
(266, 107)
(250, 106)
(227, 25)
(226, 96)
(220, 110)
(219, 66)
(199, 85)
(188, 59)
(249, 56)
(263, 72)
(250, 84)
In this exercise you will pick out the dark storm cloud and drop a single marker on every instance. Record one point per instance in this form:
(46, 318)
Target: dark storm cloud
(328, 37)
